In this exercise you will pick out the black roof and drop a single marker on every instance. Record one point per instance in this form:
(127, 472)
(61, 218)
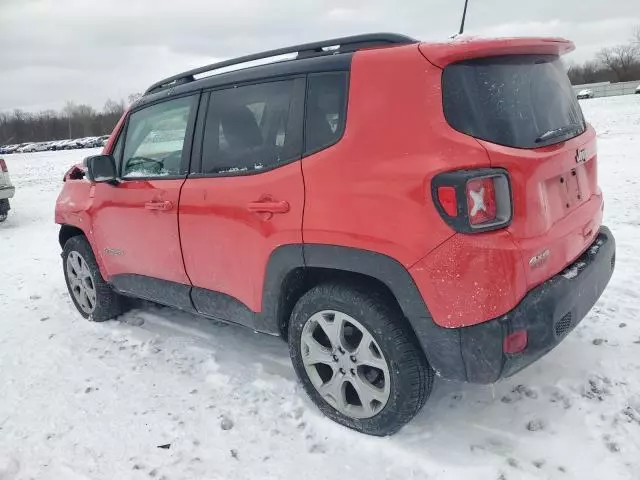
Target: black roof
(333, 54)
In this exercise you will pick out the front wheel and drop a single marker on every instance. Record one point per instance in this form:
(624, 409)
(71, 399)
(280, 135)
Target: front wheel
(93, 297)
(357, 359)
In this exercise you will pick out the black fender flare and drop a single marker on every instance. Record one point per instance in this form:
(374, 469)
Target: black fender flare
(440, 345)
(390, 272)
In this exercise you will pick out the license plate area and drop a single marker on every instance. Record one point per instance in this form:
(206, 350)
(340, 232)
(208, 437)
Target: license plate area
(568, 187)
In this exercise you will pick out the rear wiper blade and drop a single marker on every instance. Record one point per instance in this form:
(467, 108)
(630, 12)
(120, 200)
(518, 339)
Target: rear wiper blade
(559, 132)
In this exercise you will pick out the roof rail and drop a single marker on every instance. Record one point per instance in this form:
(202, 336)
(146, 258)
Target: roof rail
(306, 50)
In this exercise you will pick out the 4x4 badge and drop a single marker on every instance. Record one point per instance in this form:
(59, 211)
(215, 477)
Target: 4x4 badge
(581, 155)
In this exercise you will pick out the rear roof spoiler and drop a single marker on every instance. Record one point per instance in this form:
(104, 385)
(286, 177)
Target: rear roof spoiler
(442, 54)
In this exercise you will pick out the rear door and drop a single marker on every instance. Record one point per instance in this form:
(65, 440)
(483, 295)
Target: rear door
(524, 112)
(136, 222)
(246, 197)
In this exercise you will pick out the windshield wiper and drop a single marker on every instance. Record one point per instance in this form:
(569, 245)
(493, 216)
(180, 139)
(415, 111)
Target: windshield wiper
(559, 132)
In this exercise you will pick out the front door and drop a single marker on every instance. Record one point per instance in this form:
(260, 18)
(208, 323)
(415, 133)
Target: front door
(136, 221)
(247, 197)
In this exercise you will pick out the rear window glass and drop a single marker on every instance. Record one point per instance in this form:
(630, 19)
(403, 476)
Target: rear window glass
(523, 101)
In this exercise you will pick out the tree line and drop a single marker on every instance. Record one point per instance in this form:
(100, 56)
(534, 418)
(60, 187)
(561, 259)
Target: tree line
(613, 64)
(73, 121)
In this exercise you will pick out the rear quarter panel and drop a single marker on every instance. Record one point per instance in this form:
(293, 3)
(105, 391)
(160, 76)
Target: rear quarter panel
(372, 190)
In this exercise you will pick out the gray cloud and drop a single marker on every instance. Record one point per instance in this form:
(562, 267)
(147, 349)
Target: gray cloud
(87, 51)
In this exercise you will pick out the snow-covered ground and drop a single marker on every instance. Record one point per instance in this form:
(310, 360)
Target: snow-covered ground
(80, 400)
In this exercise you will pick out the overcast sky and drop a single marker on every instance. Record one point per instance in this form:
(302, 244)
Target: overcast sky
(88, 51)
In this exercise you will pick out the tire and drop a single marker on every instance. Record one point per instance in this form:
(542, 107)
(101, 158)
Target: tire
(4, 209)
(407, 383)
(104, 303)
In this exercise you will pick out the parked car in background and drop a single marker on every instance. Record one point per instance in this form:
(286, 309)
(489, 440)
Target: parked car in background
(90, 142)
(26, 148)
(70, 145)
(472, 256)
(16, 148)
(56, 145)
(7, 190)
(638, 89)
(584, 94)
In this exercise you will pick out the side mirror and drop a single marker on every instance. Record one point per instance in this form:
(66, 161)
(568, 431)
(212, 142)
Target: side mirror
(101, 169)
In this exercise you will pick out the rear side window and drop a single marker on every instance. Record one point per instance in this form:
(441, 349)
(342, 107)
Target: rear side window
(523, 101)
(326, 110)
(252, 128)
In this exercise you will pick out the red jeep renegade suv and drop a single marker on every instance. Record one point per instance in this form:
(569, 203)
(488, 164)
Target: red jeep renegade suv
(394, 209)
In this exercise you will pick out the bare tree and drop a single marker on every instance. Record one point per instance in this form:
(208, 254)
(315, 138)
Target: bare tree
(134, 97)
(591, 71)
(621, 59)
(114, 108)
(635, 37)
(576, 74)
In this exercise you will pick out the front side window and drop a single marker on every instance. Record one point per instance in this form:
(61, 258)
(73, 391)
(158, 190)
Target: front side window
(155, 138)
(251, 128)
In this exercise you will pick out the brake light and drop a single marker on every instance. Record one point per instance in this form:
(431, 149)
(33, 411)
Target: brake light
(3, 165)
(447, 198)
(472, 201)
(481, 201)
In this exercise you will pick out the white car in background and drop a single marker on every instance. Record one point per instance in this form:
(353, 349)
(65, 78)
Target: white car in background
(638, 89)
(7, 190)
(586, 93)
(26, 148)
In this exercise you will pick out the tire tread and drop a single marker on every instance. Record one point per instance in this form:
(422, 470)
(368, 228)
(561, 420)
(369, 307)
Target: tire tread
(389, 327)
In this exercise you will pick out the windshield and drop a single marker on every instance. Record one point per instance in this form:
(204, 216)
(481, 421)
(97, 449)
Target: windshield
(514, 100)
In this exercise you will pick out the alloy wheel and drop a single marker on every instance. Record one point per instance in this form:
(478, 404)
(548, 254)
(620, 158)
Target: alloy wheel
(345, 364)
(81, 282)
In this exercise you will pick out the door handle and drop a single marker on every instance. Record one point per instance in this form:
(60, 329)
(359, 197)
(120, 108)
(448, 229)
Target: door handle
(269, 206)
(161, 206)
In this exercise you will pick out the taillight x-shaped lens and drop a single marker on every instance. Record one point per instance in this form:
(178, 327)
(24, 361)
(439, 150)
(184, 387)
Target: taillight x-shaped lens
(481, 200)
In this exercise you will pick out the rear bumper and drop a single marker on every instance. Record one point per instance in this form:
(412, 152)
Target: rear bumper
(7, 192)
(548, 313)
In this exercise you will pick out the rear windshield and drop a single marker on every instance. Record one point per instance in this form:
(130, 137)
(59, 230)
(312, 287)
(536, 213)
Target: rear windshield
(523, 101)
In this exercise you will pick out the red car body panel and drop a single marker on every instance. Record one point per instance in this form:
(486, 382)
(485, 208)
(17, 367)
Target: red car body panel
(557, 201)
(227, 242)
(124, 216)
(471, 278)
(376, 194)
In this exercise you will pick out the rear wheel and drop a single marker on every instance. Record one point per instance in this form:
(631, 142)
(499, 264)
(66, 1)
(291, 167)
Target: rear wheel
(93, 297)
(357, 359)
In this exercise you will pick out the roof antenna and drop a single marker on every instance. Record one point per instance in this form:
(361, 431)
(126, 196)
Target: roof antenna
(464, 17)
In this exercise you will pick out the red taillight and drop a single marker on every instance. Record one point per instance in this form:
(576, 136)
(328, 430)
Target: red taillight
(3, 165)
(447, 198)
(475, 200)
(481, 200)
(515, 342)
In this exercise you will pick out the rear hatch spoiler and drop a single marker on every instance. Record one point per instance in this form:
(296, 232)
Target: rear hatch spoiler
(442, 54)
